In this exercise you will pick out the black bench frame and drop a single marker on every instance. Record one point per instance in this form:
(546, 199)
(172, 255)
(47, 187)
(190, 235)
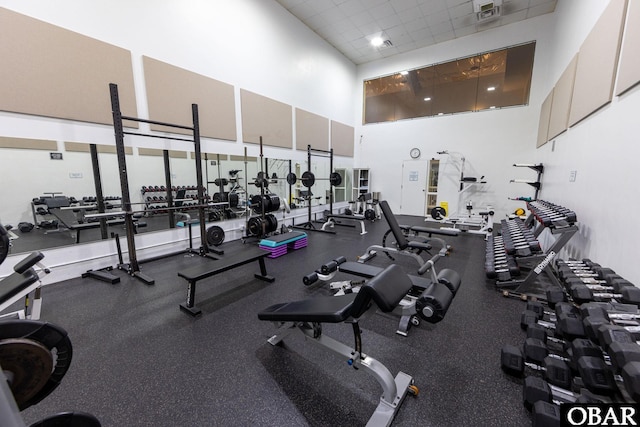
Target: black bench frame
(194, 274)
(406, 247)
(383, 292)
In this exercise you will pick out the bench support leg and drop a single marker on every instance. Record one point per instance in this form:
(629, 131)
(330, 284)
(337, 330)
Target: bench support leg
(189, 306)
(263, 272)
(394, 390)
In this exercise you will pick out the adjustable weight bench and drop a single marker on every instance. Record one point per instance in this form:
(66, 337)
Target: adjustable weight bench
(404, 246)
(24, 280)
(383, 292)
(220, 265)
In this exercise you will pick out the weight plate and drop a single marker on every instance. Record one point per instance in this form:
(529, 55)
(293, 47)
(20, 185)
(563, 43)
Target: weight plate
(30, 364)
(53, 338)
(308, 179)
(274, 203)
(256, 203)
(291, 178)
(438, 212)
(254, 226)
(370, 215)
(272, 223)
(335, 179)
(215, 235)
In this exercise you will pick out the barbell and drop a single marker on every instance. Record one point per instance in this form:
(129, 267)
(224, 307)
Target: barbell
(308, 179)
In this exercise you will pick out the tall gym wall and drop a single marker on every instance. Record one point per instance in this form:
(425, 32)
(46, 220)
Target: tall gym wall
(587, 84)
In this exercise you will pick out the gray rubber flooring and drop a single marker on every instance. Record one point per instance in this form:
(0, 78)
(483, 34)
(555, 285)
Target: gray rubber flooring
(140, 361)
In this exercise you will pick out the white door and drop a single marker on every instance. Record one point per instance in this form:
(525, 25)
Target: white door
(413, 193)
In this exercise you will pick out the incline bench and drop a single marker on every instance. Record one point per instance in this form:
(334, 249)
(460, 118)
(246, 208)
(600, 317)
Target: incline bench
(229, 262)
(383, 292)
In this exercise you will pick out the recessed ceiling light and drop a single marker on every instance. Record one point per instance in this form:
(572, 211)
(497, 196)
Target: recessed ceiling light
(377, 41)
(428, 98)
(492, 107)
(404, 73)
(491, 88)
(440, 114)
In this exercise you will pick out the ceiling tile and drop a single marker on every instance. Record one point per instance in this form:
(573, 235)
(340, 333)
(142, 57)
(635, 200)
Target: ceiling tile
(410, 24)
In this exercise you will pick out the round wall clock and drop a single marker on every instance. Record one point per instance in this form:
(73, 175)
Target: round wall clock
(414, 153)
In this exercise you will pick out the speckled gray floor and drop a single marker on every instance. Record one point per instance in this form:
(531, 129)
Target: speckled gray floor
(140, 361)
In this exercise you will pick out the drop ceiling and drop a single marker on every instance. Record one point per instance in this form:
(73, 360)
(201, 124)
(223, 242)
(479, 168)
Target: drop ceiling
(349, 25)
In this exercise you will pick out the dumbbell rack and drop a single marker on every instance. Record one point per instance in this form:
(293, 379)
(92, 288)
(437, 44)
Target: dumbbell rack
(540, 262)
(154, 207)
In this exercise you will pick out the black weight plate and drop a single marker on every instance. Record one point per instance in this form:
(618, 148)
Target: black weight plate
(215, 235)
(254, 226)
(54, 338)
(256, 203)
(438, 212)
(30, 364)
(370, 215)
(272, 223)
(308, 179)
(274, 203)
(335, 179)
(69, 419)
(291, 178)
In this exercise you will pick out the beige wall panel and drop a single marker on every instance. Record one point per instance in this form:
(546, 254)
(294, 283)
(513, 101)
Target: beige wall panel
(52, 72)
(311, 129)
(629, 66)
(267, 118)
(172, 90)
(28, 144)
(543, 124)
(83, 147)
(597, 62)
(561, 103)
(342, 137)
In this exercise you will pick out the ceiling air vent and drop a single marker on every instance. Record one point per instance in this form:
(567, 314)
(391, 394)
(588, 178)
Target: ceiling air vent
(487, 10)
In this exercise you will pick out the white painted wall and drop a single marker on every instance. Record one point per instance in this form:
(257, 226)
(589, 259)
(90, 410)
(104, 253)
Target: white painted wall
(490, 141)
(252, 44)
(602, 149)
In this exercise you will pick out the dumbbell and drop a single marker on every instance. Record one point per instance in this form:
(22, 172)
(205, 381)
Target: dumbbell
(594, 374)
(513, 361)
(547, 414)
(498, 264)
(537, 390)
(583, 293)
(567, 323)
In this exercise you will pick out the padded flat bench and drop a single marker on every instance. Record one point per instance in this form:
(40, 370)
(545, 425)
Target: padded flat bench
(229, 262)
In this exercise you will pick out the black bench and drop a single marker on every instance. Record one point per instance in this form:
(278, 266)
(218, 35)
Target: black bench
(383, 292)
(220, 265)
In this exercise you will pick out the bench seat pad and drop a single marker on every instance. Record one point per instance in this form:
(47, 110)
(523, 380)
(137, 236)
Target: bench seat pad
(334, 309)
